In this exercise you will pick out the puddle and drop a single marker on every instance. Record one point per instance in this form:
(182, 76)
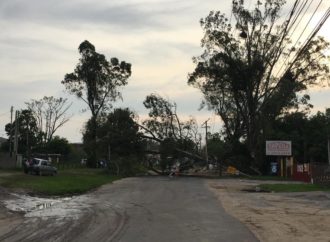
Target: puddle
(255, 190)
(44, 205)
(71, 207)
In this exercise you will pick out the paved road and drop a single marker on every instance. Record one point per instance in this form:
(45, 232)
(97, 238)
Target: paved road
(155, 209)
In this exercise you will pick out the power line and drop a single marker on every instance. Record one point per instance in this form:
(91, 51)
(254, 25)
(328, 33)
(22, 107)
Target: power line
(310, 37)
(297, 41)
(310, 3)
(297, 14)
(310, 19)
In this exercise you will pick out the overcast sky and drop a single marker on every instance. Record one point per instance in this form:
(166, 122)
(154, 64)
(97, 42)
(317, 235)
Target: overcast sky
(39, 41)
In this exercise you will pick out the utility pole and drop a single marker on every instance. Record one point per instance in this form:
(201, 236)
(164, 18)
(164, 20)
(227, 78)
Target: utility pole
(200, 143)
(327, 115)
(16, 133)
(11, 131)
(204, 125)
(27, 140)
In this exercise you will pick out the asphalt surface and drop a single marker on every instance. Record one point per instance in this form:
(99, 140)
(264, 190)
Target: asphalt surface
(150, 209)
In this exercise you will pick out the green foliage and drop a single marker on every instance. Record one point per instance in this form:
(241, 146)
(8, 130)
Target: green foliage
(28, 132)
(58, 145)
(96, 80)
(76, 154)
(121, 132)
(67, 182)
(242, 78)
(118, 136)
(31, 137)
(126, 166)
(309, 135)
(168, 153)
(216, 146)
(293, 187)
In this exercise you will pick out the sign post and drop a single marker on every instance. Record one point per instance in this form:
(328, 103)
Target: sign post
(279, 148)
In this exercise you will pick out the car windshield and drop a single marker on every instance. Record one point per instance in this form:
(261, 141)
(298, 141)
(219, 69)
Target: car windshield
(35, 162)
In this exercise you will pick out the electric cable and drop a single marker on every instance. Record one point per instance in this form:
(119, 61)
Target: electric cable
(310, 37)
(297, 41)
(297, 14)
(310, 3)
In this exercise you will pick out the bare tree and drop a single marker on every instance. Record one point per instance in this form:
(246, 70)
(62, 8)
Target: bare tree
(50, 113)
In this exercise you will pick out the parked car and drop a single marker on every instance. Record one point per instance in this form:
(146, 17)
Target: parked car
(39, 167)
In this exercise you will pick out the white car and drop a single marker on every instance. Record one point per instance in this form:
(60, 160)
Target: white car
(40, 167)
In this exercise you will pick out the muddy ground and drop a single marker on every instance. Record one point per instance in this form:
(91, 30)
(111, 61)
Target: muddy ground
(270, 216)
(301, 216)
(138, 209)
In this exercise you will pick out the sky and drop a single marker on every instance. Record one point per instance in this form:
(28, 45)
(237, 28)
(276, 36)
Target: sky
(39, 41)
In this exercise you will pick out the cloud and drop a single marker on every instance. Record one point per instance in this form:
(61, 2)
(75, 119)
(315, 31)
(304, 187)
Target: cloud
(131, 15)
(39, 42)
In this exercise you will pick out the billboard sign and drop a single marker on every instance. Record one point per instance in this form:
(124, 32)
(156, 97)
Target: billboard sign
(278, 148)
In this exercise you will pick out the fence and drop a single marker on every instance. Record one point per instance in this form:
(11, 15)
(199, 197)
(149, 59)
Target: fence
(317, 173)
(302, 172)
(320, 173)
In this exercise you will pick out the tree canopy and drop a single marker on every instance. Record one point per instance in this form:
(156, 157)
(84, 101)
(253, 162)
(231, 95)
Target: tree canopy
(118, 139)
(31, 139)
(96, 81)
(250, 73)
(28, 133)
(309, 135)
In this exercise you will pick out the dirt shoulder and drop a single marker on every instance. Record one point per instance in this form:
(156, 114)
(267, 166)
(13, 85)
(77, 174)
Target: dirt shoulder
(8, 219)
(274, 217)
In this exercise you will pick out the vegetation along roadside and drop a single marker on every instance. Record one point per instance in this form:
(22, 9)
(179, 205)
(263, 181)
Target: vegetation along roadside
(67, 182)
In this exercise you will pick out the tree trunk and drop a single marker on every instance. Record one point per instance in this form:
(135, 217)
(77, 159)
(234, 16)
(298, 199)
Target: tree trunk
(92, 159)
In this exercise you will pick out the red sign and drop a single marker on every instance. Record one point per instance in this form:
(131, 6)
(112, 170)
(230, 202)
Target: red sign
(278, 148)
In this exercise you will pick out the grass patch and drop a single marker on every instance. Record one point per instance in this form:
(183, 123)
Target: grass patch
(269, 178)
(293, 187)
(67, 182)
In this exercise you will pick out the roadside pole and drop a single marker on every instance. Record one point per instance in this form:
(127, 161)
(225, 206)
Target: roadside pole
(16, 134)
(206, 154)
(11, 132)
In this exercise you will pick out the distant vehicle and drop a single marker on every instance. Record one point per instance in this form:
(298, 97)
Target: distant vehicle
(39, 167)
